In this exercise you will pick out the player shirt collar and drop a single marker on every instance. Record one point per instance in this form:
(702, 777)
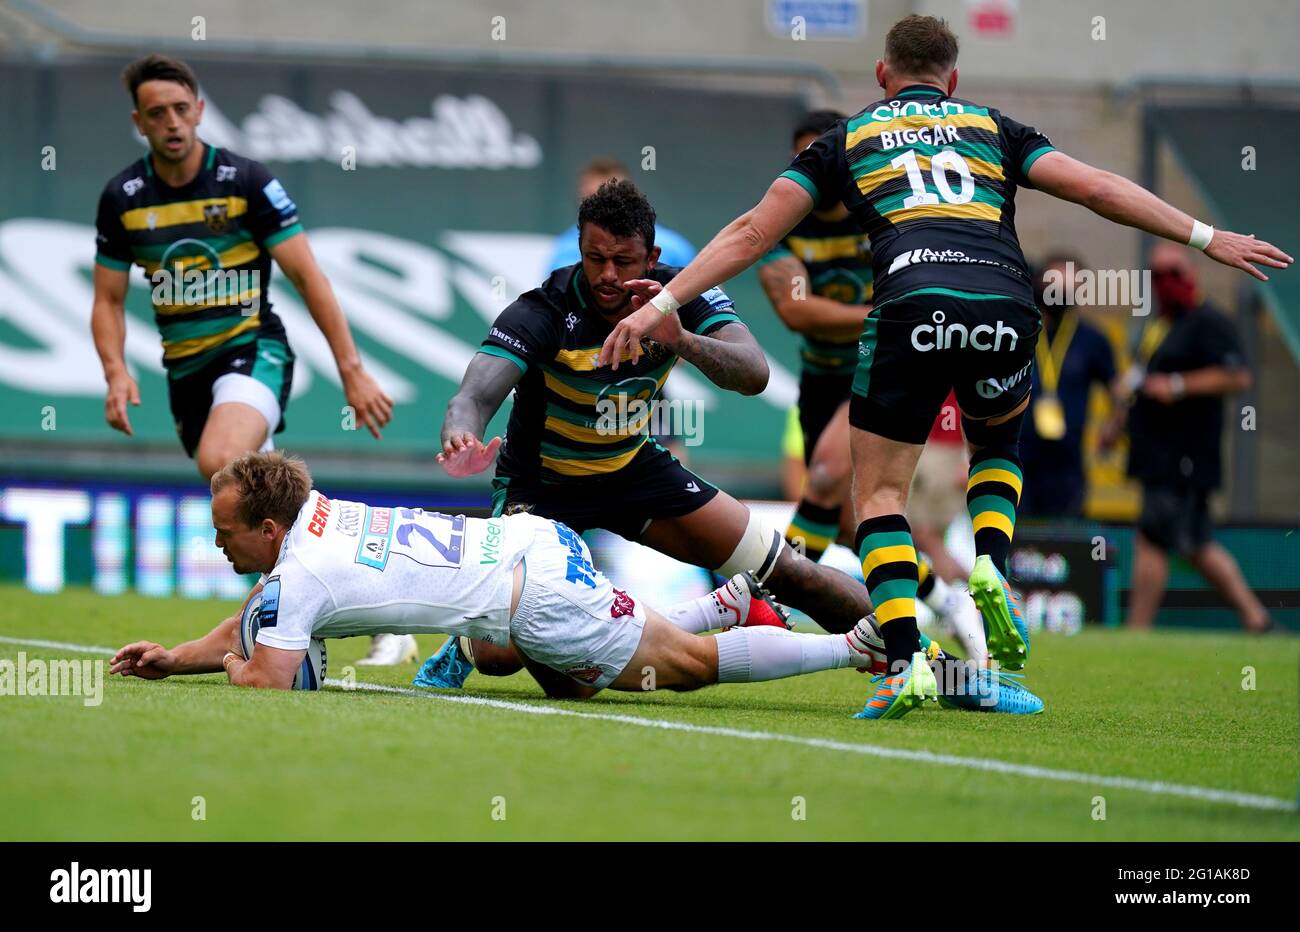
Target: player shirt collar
(920, 90)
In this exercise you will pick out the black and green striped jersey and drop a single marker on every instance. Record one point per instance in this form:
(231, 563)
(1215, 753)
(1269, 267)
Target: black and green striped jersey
(571, 420)
(211, 237)
(932, 180)
(837, 255)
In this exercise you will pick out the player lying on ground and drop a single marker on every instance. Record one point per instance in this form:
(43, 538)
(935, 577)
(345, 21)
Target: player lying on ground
(576, 447)
(340, 569)
(932, 178)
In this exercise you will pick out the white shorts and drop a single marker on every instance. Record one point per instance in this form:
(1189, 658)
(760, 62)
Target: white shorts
(247, 390)
(570, 617)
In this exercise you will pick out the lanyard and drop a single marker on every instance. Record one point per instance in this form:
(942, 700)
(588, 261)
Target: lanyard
(1152, 336)
(1052, 358)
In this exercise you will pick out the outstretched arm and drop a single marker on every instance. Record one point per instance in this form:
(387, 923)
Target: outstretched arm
(151, 661)
(785, 281)
(1121, 201)
(374, 409)
(739, 245)
(488, 379)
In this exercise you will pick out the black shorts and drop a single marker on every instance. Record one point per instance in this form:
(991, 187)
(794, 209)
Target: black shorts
(654, 485)
(919, 346)
(820, 396)
(1175, 518)
(267, 359)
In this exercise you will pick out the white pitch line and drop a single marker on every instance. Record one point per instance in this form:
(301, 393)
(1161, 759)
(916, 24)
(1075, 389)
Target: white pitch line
(1155, 787)
(58, 645)
(989, 765)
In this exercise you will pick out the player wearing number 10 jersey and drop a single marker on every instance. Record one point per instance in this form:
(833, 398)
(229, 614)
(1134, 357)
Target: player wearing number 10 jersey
(932, 178)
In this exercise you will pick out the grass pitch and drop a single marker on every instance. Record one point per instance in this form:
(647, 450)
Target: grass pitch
(359, 765)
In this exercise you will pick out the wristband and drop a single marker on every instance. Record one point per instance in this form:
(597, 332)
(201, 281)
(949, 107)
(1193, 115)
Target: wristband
(1177, 386)
(1202, 233)
(230, 658)
(664, 302)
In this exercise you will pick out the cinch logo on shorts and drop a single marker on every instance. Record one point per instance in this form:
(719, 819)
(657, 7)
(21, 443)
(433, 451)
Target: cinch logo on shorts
(992, 388)
(958, 336)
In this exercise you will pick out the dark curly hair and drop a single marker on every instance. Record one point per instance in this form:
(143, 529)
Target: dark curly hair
(618, 207)
(158, 68)
(815, 122)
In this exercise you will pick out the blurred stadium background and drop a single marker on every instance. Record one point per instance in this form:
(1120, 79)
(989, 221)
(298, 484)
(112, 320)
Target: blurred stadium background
(467, 150)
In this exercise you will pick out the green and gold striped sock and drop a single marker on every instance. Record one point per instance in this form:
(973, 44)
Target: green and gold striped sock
(992, 493)
(813, 529)
(884, 545)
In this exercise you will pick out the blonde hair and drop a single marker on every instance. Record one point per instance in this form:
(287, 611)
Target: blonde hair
(271, 485)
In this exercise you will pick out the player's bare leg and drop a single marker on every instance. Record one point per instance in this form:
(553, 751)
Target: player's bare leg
(820, 513)
(232, 429)
(1218, 566)
(710, 536)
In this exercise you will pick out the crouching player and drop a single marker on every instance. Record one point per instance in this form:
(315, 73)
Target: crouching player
(341, 569)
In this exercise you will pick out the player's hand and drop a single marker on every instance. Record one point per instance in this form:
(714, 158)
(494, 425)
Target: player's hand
(464, 455)
(374, 409)
(627, 335)
(122, 391)
(1159, 387)
(144, 659)
(1241, 252)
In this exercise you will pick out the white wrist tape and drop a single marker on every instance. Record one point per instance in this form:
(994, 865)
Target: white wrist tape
(1202, 233)
(664, 302)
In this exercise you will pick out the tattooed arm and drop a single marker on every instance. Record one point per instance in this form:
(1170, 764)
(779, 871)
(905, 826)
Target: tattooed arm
(730, 357)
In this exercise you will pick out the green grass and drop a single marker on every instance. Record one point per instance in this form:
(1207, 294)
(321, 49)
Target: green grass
(359, 765)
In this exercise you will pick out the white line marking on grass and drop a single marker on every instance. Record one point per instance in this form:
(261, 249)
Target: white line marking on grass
(1155, 787)
(58, 645)
(989, 765)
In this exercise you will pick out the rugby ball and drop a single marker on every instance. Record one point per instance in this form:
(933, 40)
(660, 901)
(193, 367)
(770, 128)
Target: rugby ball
(311, 672)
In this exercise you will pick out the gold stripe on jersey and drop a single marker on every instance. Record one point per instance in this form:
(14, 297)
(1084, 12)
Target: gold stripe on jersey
(180, 348)
(235, 255)
(619, 434)
(972, 210)
(872, 180)
(825, 248)
(590, 467)
(584, 358)
(919, 121)
(181, 212)
(229, 300)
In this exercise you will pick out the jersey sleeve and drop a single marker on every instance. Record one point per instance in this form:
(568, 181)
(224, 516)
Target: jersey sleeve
(293, 600)
(1024, 145)
(112, 248)
(708, 312)
(821, 169)
(272, 215)
(524, 333)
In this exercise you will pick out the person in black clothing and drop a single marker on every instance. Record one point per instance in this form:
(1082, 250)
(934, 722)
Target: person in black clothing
(1189, 358)
(1072, 356)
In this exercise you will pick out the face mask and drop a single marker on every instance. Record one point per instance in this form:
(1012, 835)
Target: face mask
(1176, 294)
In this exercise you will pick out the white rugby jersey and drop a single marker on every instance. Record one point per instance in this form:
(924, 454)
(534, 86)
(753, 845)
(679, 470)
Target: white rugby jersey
(348, 569)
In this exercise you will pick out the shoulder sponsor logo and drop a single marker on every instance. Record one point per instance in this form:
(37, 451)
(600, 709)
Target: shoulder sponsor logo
(132, 185)
(375, 544)
(279, 197)
(227, 172)
(350, 517)
(981, 337)
(992, 388)
(509, 340)
(320, 517)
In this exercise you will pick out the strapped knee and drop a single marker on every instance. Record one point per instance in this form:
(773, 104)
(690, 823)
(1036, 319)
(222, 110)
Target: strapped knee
(757, 551)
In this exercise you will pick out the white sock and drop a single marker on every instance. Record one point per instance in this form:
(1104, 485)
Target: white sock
(751, 655)
(937, 600)
(703, 614)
